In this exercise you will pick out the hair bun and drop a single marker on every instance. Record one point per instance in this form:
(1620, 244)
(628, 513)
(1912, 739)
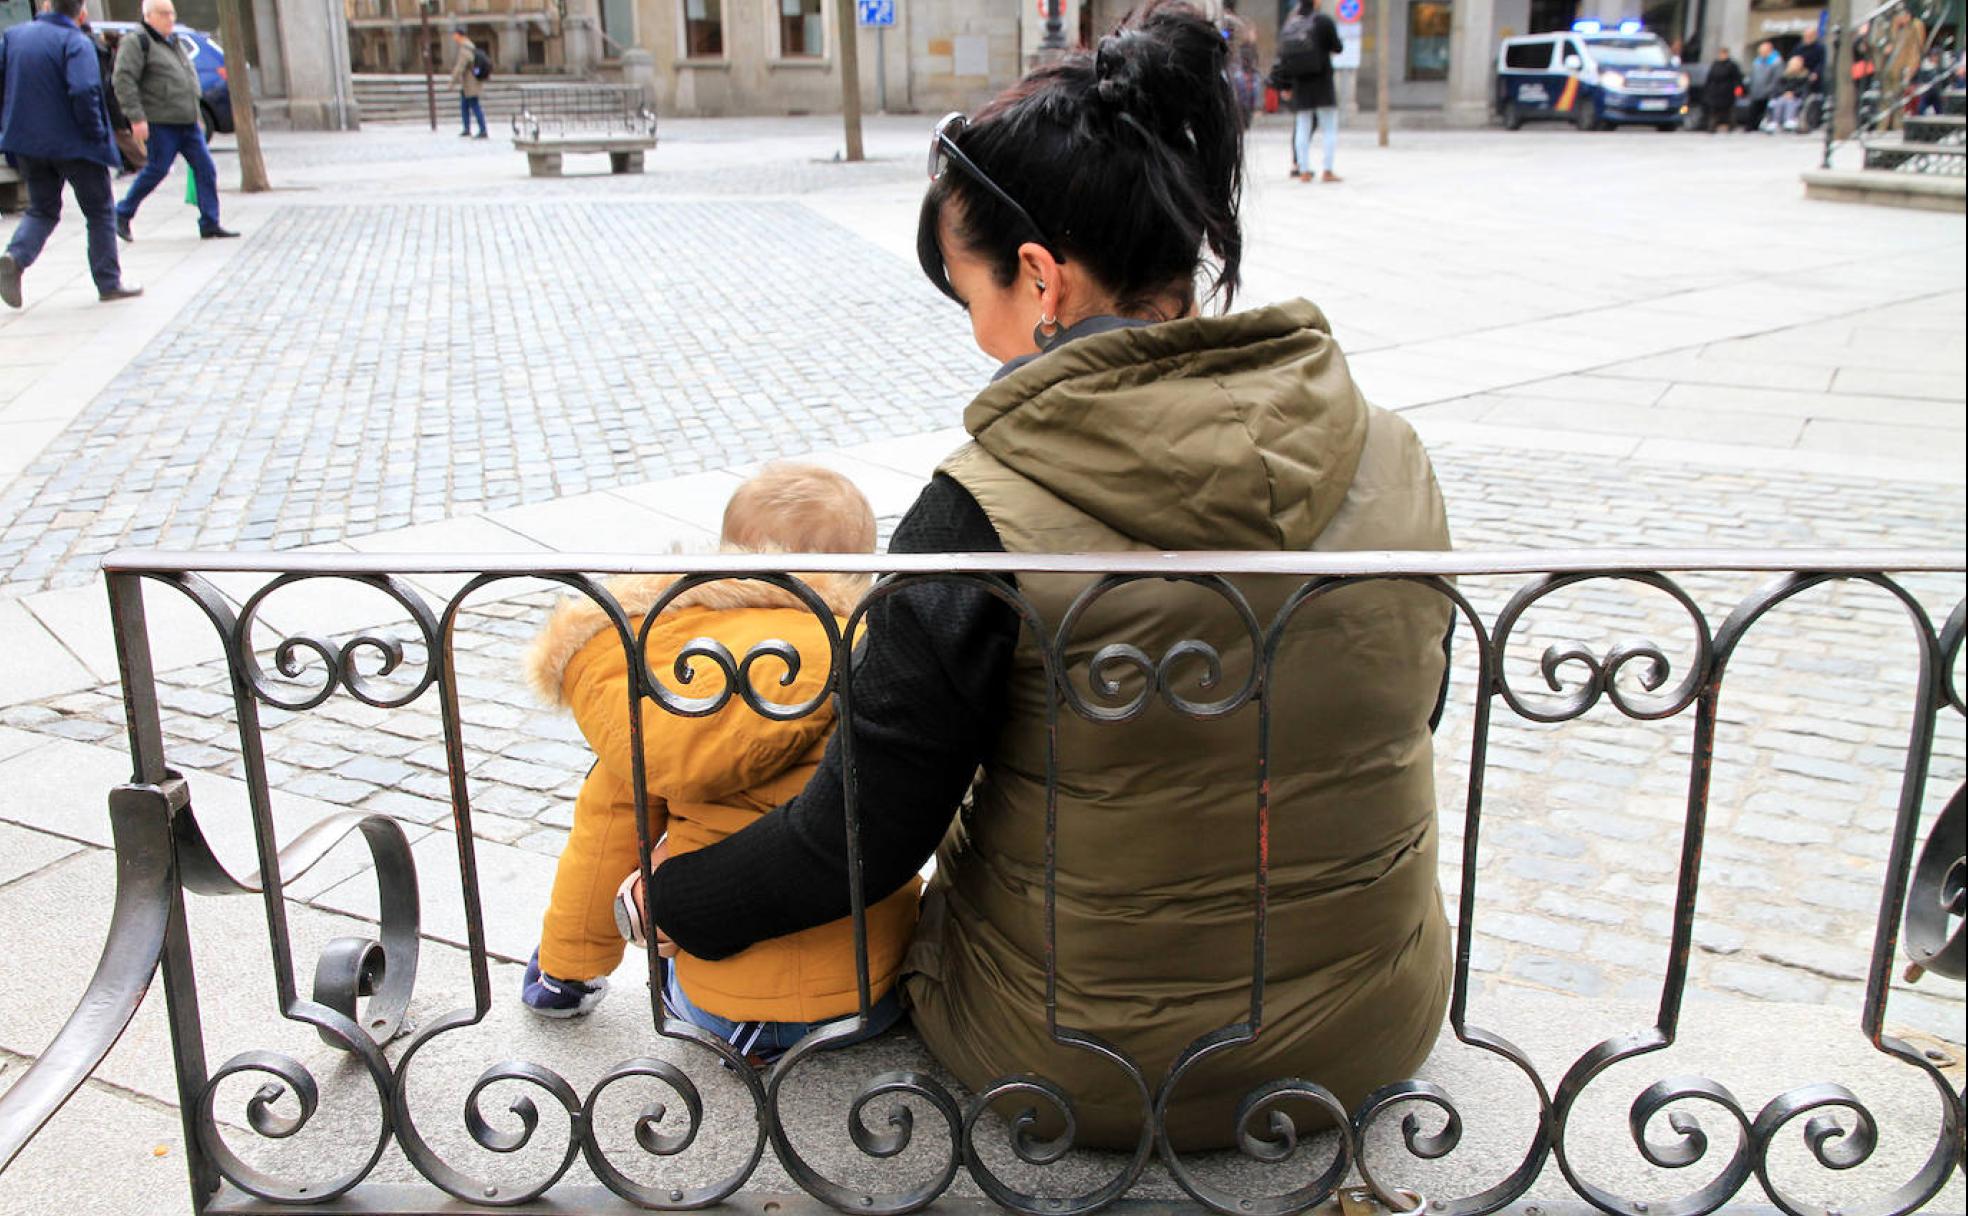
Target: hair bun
(1117, 74)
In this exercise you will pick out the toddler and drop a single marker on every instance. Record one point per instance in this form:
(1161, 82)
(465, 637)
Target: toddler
(710, 776)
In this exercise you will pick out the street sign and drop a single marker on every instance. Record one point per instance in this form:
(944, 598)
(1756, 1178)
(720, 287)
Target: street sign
(874, 12)
(1348, 20)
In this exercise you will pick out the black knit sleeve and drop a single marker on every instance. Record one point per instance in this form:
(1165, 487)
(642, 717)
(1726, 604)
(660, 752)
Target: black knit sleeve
(927, 699)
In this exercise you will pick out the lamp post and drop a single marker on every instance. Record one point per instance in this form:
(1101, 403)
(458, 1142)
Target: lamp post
(1054, 42)
(430, 52)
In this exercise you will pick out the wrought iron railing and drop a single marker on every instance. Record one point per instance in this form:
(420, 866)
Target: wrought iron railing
(1881, 99)
(363, 989)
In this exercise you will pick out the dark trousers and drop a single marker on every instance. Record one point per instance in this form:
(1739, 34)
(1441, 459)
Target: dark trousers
(468, 106)
(168, 141)
(90, 181)
(1758, 107)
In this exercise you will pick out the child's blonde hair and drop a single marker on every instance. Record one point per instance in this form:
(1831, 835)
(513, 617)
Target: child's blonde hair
(799, 508)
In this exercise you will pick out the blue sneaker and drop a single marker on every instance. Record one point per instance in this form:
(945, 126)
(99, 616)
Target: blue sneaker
(555, 998)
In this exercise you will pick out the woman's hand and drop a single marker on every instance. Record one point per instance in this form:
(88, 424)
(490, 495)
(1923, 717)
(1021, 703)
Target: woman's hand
(665, 948)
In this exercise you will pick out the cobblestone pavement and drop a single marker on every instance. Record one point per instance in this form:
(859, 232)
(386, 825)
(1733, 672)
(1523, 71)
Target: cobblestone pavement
(1582, 821)
(367, 368)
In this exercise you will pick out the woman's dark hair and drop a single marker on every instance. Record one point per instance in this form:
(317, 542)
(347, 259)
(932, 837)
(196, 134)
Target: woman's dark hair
(1129, 157)
(1306, 8)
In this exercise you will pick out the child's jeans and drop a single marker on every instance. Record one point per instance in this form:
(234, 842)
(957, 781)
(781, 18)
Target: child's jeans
(767, 1041)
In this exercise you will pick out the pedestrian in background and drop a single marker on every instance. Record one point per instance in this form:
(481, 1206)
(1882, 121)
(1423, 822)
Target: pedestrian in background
(468, 74)
(1764, 75)
(1794, 91)
(1306, 46)
(54, 128)
(1812, 52)
(127, 146)
(158, 89)
(1906, 46)
(1245, 79)
(1725, 80)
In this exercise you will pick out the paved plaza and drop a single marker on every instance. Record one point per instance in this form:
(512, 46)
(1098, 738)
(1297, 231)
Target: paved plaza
(1618, 340)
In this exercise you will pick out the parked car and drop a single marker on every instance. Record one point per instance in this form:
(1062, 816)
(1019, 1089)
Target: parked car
(208, 57)
(1591, 75)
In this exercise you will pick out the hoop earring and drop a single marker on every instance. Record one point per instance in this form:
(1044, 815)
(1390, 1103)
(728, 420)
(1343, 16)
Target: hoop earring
(1046, 332)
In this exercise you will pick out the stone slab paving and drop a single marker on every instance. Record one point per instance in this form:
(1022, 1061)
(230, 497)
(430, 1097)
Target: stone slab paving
(396, 366)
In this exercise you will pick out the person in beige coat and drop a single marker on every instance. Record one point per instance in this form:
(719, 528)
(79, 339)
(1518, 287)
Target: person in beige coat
(468, 73)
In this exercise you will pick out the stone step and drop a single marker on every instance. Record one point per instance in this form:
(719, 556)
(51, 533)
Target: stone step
(1924, 157)
(1888, 188)
(401, 98)
(1936, 128)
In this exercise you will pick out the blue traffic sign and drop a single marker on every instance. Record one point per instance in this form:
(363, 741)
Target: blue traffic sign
(874, 12)
(1349, 11)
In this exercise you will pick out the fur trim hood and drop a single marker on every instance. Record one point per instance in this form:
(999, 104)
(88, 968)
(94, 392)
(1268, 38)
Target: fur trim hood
(576, 621)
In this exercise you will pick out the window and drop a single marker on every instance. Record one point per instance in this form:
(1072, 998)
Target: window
(1527, 56)
(1428, 40)
(703, 29)
(617, 27)
(802, 29)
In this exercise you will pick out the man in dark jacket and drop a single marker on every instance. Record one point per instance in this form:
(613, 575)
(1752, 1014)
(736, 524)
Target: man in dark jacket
(1306, 46)
(158, 89)
(54, 128)
(1719, 92)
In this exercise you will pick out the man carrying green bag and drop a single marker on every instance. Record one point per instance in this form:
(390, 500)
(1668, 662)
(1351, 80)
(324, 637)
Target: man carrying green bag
(158, 89)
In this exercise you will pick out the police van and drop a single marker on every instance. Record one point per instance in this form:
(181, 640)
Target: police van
(1593, 75)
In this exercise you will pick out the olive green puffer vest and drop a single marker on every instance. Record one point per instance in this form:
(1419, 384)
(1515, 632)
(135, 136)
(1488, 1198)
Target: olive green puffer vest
(1240, 432)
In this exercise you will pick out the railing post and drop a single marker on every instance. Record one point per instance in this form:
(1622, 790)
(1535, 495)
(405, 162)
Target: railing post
(126, 614)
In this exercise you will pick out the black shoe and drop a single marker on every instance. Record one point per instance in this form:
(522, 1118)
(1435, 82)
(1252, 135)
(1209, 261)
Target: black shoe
(465, 134)
(123, 230)
(481, 135)
(217, 234)
(119, 292)
(10, 273)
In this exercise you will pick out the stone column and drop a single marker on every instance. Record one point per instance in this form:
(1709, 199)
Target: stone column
(270, 72)
(1727, 25)
(1472, 59)
(314, 48)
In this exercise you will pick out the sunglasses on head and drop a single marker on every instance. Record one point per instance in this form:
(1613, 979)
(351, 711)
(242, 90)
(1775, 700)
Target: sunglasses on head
(943, 150)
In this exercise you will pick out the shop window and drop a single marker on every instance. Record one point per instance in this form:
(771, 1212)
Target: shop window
(1428, 39)
(703, 29)
(802, 29)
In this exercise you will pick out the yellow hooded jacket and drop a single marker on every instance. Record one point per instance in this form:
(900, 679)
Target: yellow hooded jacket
(707, 778)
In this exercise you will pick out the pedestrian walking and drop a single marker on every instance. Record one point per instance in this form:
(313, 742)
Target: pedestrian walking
(1764, 75)
(54, 129)
(1306, 46)
(469, 73)
(158, 89)
(1906, 46)
(1725, 80)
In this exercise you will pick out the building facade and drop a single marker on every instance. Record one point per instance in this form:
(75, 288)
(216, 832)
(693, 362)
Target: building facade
(763, 57)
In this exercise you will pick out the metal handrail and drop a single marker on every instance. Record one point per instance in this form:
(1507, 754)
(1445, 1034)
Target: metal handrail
(163, 855)
(1385, 563)
(1867, 126)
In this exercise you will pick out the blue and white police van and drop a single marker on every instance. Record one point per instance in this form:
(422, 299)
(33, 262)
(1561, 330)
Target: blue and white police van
(1594, 75)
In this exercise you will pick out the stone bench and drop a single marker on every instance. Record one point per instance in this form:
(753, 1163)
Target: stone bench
(625, 152)
(556, 120)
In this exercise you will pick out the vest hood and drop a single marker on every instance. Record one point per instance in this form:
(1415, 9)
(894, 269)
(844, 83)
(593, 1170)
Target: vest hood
(1237, 432)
